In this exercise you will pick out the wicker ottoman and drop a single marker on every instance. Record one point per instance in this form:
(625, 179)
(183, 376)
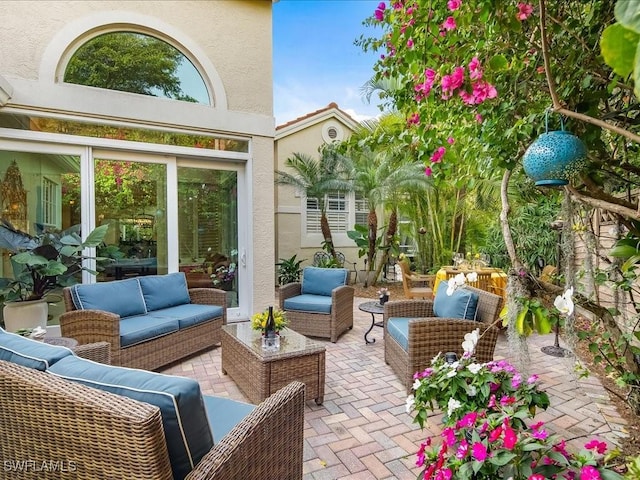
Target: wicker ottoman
(259, 374)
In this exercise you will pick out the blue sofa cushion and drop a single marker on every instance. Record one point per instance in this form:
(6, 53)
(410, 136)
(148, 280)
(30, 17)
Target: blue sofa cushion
(184, 416)
(309, 303)
(122, 297)
(398, 328)
(321, 281)
(224, 414)
(140, 328)
(29, 353)
(462, 304)
(190, 314)
(162, 291)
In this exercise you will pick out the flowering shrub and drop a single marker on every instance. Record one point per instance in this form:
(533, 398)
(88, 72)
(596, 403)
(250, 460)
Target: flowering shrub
(489, 445)
(488, 431)
(259, 320)
(464, 386)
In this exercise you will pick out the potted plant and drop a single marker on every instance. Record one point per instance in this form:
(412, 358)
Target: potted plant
(41, 264)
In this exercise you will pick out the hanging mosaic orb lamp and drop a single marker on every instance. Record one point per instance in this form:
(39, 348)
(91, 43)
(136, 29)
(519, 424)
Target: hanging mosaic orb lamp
(554, 157)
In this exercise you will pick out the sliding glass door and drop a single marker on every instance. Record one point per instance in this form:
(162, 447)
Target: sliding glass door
(208, 228)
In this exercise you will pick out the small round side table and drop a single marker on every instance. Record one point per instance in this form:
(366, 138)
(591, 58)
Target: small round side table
(374, 308)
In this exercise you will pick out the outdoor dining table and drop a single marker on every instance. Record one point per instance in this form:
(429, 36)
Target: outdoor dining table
(498, 278)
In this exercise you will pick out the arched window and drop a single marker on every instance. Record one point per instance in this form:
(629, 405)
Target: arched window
(136, 63)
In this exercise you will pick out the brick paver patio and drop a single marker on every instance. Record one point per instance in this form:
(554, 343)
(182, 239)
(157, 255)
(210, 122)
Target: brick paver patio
(362, 430)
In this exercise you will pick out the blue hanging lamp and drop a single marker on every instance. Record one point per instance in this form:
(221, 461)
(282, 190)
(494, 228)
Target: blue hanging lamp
(554, 157)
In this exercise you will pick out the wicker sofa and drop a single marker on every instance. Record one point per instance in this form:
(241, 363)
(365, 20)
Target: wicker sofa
(321, 305)
(59, 422)
(414, 334)
(149, 321)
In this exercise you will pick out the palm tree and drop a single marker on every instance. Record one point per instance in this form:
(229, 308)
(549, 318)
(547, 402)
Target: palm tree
(315, 178)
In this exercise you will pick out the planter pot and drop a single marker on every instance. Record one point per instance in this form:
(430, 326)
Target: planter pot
(31, 314)
(554, 157)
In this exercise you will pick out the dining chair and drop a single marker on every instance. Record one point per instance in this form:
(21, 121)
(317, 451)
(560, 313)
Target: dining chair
(424, 290)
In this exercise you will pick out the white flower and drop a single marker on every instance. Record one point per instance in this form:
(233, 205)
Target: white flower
(564, 302)
(470, 341)
(452, 406)
(472, 390)
(474, 367)
(472, 277)
(411, 401)
(455, 282)
(416, 384)
(452, 373)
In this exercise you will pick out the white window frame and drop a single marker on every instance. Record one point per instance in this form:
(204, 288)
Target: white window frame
(311, 234)
(51, 202)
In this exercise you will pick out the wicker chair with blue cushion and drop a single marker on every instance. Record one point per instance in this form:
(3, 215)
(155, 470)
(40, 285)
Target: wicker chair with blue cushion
(321, 305)
(417, 330)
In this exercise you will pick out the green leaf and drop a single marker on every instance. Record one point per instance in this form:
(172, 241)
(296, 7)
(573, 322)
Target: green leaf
(502, 458)
(96, 237)
(498, 63)
(622, 250)
(618, 47)
(636, 72)
(627, 12)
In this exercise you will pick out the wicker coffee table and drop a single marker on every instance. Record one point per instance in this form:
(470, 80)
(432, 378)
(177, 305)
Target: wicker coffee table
(259, 374)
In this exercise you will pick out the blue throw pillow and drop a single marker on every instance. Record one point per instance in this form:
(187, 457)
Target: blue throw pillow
(322, 281)
(184, 417)
(462, 304)
(122, 297)
(164, 291)
(29, 353)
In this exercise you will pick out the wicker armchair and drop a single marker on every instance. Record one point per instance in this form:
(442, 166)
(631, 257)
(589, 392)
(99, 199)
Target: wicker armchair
(429, 335)
(82, 432)
(314, 324)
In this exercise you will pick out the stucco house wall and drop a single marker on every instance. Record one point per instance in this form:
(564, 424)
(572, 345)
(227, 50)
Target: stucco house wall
(306, 135)
(229, 42)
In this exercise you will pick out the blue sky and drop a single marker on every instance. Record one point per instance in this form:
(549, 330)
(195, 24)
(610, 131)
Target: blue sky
(315, 61)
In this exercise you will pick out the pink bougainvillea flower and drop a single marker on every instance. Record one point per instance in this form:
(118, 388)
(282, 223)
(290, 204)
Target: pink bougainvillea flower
(536, 476)
(479, 118)
(589, 472)
(410, 43)
(540, 434)
(451, 140)
(479, 451)
(516, 380)
(428, 171)
(507, 400)
(483, 91)
(561, 447)
(524, 10)
(438, 154)
(492, 401)
(449, 24)
(475, 72)
(532, 379)
(600, 447)
(444, 474)
(467, 97)
(420, 454)
(379, 13)
(454, 5)
(413, 119)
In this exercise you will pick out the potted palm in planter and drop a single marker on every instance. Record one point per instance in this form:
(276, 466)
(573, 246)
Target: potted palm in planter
(41, 264)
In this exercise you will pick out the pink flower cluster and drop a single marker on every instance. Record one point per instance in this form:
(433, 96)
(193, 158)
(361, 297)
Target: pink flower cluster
(379, 12)
(524, 11)
(481, 90)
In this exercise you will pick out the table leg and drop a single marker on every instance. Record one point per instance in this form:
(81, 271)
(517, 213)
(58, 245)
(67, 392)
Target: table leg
(373, 324)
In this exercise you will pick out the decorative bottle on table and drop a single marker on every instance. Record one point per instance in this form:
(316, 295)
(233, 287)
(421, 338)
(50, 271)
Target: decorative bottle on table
(270, 339)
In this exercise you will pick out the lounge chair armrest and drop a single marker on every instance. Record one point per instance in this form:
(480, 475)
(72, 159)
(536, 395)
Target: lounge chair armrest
(287, 291)
(98, 352)
(90, 326)
(342, 294)
(268, 443)
(210, 296)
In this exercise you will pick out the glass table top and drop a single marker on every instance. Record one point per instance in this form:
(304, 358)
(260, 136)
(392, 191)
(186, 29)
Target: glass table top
(291, 343)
